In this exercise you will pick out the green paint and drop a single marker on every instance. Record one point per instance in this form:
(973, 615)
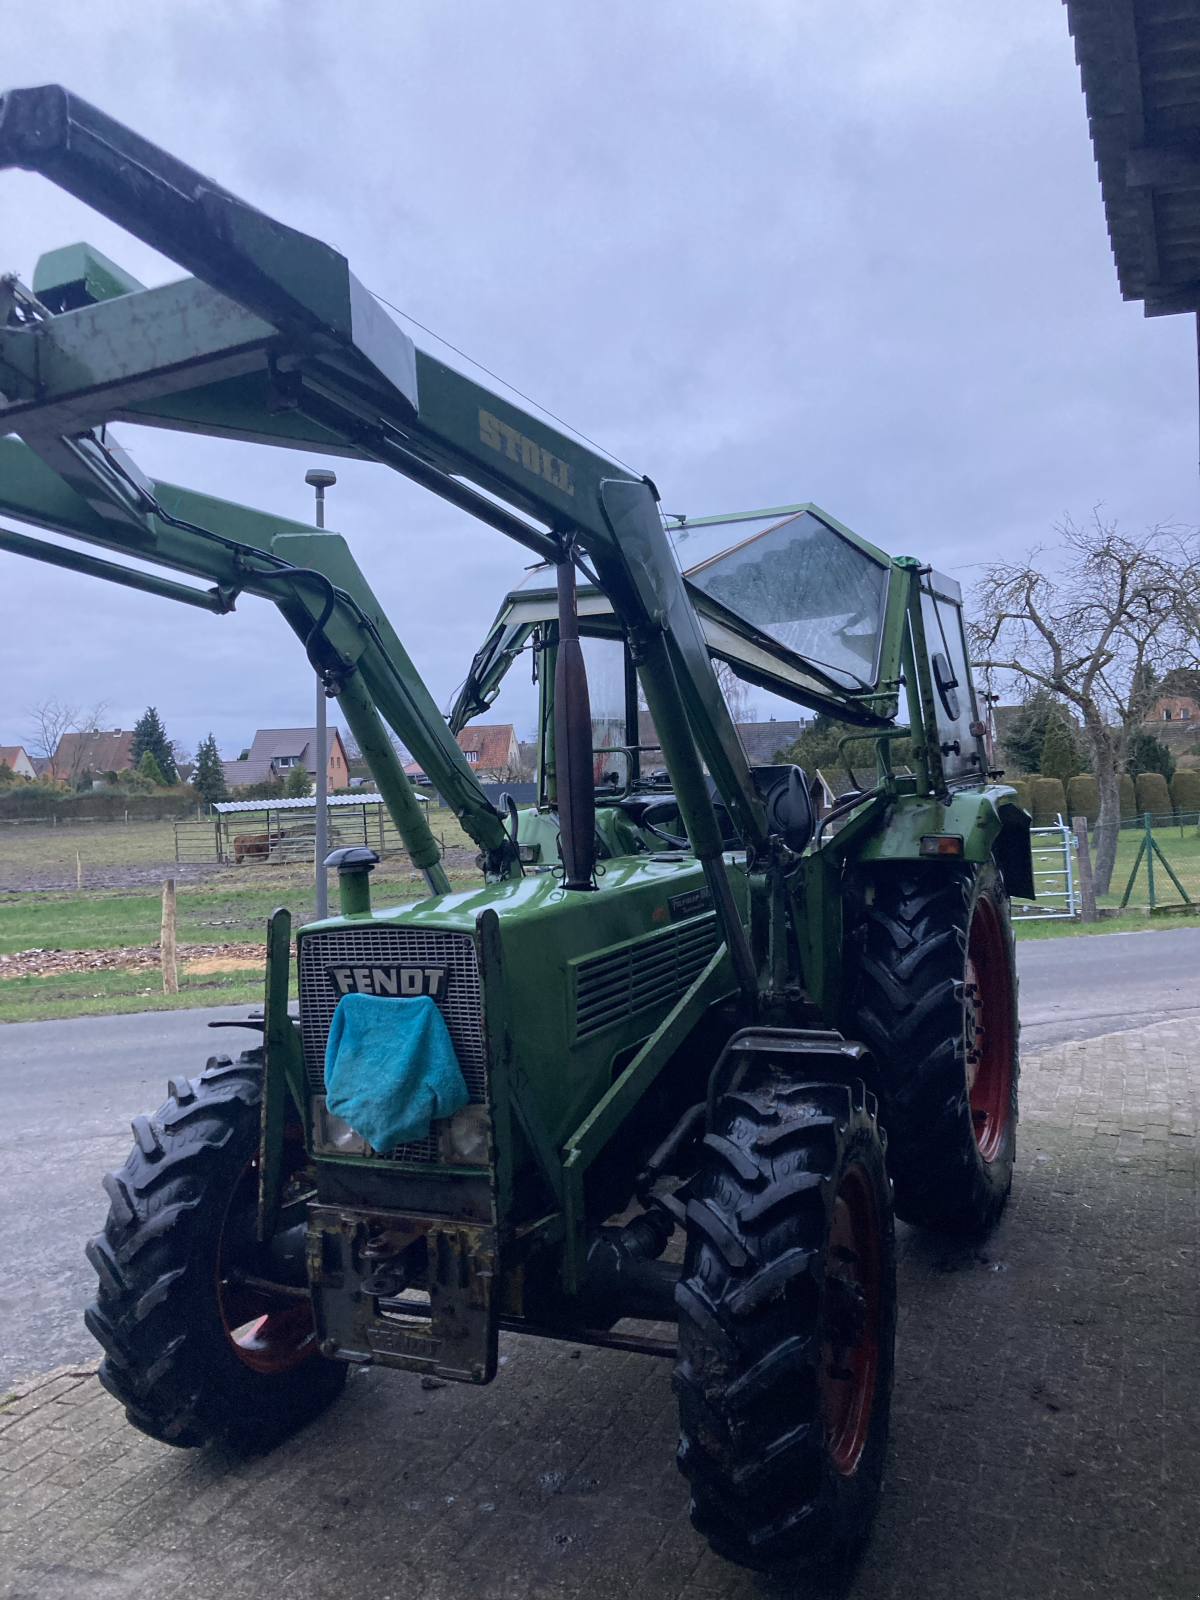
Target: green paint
(354, 891)
(83, 269)
(283, 1072)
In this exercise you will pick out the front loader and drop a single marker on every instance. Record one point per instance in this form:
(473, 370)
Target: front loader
(703, 1031)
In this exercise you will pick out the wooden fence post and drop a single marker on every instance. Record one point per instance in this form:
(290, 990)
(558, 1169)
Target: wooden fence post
(170, 965)
(1087, 889)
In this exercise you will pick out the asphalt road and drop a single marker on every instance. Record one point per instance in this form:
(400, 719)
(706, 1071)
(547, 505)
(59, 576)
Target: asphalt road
(68, 1090)
(67, 1093)
(1079, 987)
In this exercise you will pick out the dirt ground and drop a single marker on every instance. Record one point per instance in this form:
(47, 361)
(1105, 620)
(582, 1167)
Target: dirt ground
(195, 958)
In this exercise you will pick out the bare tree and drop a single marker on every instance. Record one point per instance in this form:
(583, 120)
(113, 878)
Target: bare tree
(53, 719)
(736, 692)
(1120, 612)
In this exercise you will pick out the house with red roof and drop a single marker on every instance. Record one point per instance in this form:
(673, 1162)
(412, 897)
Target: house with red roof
(18, 762)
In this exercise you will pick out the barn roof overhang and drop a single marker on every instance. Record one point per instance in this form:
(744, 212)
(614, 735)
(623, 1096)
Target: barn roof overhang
(1140, 65)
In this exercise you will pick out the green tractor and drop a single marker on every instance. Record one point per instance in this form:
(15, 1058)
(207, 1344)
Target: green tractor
(706, 1032)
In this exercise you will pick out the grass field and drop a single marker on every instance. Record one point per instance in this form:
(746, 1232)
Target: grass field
(207, 913)
(37, 848)
(96, 994)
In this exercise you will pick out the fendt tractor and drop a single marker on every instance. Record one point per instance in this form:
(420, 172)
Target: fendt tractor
(703, 1035)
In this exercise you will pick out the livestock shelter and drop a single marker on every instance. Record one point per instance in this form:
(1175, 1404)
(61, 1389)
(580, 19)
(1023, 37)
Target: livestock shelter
(278, 832)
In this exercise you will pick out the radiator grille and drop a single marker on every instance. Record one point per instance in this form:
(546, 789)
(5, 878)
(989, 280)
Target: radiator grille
(645, 972)
(460, 1004)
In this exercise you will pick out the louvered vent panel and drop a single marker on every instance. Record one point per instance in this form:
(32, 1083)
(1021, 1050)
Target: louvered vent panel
(644, 973)
(460, 1003)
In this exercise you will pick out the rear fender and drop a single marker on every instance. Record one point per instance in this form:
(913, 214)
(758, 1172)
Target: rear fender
(990, 823)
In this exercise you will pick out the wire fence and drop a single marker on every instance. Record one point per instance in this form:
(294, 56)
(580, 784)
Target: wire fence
(1157, 861)
(1156, 867)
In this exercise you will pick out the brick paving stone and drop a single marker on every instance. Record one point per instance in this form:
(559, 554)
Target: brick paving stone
(1043, 1436)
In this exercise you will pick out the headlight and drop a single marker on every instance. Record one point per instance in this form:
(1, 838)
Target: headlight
(465, 1138)
(331, 1133)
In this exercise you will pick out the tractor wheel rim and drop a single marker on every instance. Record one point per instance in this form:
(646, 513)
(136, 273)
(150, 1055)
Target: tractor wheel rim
(850, 1321)
(989, 1028)
(268, 1333)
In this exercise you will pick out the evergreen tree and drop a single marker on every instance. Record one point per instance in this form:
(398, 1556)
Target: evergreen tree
(817, 747)
(1043, 719)
(1148, 754)
(149, 768)
(208, 780)
(297, 785)
(1059, 758)
(150, 737)
(1027, 731)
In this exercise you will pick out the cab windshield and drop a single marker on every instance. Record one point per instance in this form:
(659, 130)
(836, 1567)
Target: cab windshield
(802, 583)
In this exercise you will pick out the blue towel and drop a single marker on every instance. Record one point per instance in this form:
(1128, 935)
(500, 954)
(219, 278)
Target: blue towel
(390, 1067)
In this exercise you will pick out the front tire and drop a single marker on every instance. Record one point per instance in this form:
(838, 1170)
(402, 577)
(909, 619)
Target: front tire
(192, 1351)
(936, 1002)
(787, 1312)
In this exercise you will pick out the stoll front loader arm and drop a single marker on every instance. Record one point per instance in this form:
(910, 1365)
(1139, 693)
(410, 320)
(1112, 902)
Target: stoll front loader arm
(629, 1021)
(275, 340)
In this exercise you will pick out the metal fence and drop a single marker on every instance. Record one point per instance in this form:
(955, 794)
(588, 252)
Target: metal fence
(1158, 860)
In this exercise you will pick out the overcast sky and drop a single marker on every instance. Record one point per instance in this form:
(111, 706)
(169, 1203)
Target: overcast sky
(849, 251)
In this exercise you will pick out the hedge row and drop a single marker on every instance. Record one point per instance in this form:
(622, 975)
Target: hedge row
(31, 801)
(1046, 799)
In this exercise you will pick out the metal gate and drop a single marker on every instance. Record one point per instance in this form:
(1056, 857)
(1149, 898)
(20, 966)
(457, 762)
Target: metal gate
(1055, 877)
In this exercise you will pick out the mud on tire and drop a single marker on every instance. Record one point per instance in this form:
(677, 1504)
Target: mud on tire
(935, 1000)
(192, 1354)
(787, 1308)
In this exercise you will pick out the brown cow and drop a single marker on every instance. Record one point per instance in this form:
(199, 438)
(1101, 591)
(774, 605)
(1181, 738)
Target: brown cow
(253, 846)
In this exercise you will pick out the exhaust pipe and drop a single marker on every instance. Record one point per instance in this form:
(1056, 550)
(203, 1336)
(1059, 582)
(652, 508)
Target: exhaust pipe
(573, 742)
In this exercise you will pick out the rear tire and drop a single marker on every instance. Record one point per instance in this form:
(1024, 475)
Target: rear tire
(936, 1002)
(787, 1313)
(192, 1354)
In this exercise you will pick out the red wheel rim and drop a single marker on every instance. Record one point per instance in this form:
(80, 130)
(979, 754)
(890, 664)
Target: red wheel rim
(269, 1333)
(850, 1321)
(989, 1028)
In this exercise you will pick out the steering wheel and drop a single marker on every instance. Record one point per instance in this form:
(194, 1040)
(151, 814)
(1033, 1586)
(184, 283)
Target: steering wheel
(675, 840)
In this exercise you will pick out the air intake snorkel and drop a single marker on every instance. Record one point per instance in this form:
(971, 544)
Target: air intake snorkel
(354, 864)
